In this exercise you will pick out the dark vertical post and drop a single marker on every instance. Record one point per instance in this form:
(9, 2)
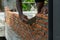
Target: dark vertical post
(19, 6)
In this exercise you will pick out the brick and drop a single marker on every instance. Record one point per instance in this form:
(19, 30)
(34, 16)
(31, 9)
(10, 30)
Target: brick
(26, 31)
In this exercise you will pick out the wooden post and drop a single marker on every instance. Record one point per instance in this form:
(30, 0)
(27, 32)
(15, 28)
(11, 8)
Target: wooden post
(19, 6)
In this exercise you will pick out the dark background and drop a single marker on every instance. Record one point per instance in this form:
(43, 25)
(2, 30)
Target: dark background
(56, 19)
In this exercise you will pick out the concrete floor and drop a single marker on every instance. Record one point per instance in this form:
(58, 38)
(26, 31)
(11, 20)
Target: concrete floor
(2, 29)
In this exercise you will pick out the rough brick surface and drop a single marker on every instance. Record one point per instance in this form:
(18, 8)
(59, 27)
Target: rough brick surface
(36, 31)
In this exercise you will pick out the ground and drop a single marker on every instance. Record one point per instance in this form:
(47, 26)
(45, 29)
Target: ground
(2, 27)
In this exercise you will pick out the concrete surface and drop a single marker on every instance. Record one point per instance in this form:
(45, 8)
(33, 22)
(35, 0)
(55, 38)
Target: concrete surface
(2, 29)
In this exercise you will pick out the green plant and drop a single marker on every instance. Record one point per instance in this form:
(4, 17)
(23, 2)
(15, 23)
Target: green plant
(26, 7)
(28, 0)
(46, 2)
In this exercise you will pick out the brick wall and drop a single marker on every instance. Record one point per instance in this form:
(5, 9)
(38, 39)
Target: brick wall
(36, 31)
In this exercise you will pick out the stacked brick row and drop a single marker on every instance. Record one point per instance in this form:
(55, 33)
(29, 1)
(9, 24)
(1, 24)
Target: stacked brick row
(18, 26)
(37, 31)
(40, 27)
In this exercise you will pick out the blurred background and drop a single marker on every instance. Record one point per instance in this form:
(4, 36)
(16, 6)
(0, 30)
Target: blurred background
(27, 4)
